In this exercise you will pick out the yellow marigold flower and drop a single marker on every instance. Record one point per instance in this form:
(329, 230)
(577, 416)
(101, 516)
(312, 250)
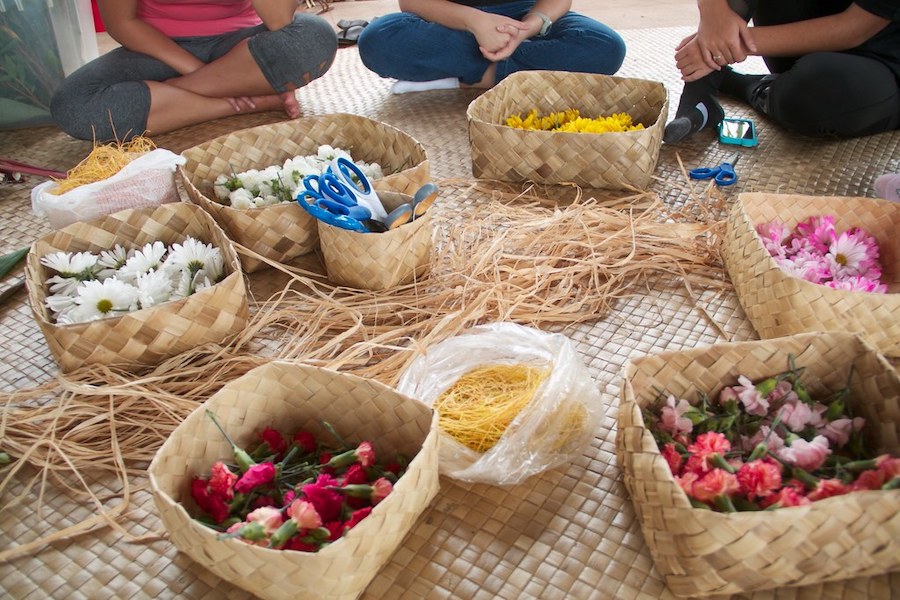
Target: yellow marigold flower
(571, 121)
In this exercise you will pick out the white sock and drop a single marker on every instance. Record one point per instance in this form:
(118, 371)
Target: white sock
(402, 87)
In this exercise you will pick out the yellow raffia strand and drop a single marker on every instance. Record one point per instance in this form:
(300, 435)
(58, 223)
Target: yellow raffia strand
(572, 121)
(478, 408)
(103, 162)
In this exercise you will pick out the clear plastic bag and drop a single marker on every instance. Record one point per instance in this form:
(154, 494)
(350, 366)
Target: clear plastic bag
(148, 180)
(553, 429)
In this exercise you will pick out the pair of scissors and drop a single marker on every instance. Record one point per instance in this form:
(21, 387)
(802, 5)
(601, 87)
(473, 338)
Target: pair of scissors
(326, 198)
(349, 174)
(723, 174)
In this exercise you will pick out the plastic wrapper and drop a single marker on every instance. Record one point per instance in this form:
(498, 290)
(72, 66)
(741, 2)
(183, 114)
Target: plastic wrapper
(554, 427)
(148, 180)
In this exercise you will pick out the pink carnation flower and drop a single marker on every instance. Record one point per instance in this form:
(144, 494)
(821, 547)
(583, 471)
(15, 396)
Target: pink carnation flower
(838, 431)
(672, 420)
(673, 457)
(796, 415)
(828, 488)
(784, 498)
(808, 456)
(753, 401)
(759, 478)
(257, 475)
(221, 481)
(305, 514)
(716, 483)
(774, 442)
(268, 516)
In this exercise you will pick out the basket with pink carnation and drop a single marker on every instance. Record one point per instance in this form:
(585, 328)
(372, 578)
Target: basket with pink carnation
(752, 465)
(292, 470)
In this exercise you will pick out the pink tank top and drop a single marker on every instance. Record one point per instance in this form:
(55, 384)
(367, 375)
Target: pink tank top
(188, 18)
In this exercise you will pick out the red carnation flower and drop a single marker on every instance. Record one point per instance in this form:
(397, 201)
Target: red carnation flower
(356, 517)
(827, 488)
(306, 441)
(273, 440)
(673, 457)
(221, 481)
(213, 505)
(714, 485)
(759, 478)
(326, 501)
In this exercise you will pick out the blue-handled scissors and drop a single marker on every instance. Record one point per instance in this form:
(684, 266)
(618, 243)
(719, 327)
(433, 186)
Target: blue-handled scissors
(723, 174)
(352, 177)
(329, 200)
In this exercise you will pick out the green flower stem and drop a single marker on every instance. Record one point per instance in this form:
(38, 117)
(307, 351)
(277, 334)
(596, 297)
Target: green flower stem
(893, 484)
(243, 459)
(725, 504)
(717, 460)
(805, 477)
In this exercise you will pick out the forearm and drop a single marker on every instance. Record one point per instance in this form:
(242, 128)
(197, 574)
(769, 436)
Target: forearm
(552, 8)
(122, 24)
(275, 14)
(443, 12)
(833, 33)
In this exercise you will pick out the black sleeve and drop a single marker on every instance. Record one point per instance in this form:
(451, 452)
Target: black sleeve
(889, 9)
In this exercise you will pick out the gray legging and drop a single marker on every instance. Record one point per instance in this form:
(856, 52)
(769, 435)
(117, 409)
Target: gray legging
(108, 97)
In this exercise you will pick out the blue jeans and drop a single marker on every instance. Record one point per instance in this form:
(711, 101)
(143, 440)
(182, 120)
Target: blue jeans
(405, 46)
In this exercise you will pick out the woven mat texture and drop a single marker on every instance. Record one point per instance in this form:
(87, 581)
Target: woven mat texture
(569, 533)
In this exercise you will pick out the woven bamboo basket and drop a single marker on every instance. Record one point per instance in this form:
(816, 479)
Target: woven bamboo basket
(778, 304)
(291, 396)
(624, 160)
(701, 552)
(377, 261)
(283, 232)
(147, 336)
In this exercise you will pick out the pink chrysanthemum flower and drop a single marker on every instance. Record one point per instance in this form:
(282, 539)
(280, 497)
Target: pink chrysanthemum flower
(849, 255)
(817, 232)
(774, 235)
(858, 283)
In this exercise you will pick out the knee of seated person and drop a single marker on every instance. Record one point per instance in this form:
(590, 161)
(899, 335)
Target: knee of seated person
(68, 112)
(313, 33)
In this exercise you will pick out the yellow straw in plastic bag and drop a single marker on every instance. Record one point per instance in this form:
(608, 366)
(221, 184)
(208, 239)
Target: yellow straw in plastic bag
(478, 408)
(104, 161)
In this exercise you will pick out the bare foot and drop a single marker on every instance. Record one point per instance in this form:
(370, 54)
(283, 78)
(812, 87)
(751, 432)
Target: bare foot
(291, 105)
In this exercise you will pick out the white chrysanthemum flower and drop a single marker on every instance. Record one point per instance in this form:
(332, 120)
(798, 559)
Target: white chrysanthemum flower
(241, 199)
(63, 286)
(80, 264)
(326, 152)
(183, 284)
(111, 261)
(99, 299)
(154, 287)
(142, 261)
(263, 201)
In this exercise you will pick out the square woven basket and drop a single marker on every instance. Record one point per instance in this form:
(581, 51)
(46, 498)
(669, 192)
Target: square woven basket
(624, 160)
(377, 261)
(701, 552)
(779, 304)
(286, 231)
(147, 336)
(290, 396)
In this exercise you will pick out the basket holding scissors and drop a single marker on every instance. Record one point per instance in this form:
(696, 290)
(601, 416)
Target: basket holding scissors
(344, 197)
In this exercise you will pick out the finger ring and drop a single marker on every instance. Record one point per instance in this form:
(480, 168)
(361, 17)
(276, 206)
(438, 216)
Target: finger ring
(718, 57)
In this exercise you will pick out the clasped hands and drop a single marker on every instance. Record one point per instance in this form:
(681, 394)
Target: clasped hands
(499, 36)
(718, 42)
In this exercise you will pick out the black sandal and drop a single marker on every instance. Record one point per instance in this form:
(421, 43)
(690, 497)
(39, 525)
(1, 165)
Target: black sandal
(350, 34)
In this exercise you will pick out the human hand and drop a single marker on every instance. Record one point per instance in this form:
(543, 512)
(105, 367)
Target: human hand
(497, 36)
(723, 36)
(689, 59)
(241, 103)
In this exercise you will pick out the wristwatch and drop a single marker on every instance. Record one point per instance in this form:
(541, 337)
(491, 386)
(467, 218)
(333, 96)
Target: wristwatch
(546, 23)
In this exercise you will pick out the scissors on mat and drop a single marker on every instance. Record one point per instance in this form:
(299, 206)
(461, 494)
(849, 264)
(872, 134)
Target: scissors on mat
(329, 200)
(723, 174)
(350, 175)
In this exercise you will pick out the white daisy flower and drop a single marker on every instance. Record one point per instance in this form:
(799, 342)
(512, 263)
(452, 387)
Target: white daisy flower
(99, 299)
(154, 287)
(194, 255)
(111, 261)
(80, 264)
(60, 304)
(183, 285)
(142, 261)
(63, 286)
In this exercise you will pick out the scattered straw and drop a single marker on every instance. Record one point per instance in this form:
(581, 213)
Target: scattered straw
(497, 257)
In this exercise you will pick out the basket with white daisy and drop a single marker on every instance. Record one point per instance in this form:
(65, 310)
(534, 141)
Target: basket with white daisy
(247, 179)
(135, 287)
(817, 263)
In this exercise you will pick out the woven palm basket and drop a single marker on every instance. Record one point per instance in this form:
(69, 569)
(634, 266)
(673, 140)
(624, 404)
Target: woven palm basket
(611, 160)
(701, 552)
(377, 261)
(285, 231)
(289, 397)
(778, 304)
(150, 335)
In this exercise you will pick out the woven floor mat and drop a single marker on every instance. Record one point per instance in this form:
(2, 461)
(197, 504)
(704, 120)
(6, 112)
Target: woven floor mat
(570, 533)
